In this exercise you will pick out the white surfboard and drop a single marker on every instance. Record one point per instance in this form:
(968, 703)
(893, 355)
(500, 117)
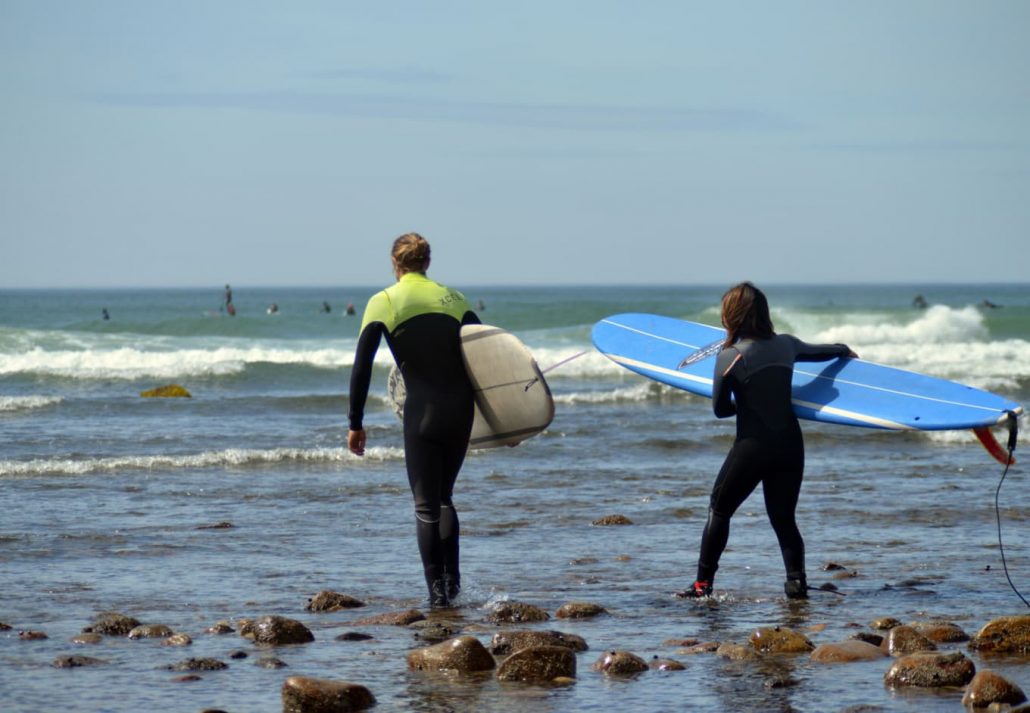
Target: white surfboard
(513, 400)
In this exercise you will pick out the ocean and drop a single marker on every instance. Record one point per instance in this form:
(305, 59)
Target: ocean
(243, 501)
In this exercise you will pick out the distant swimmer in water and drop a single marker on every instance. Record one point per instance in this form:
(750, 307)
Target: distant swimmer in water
(229, 307)
(105, 314)
(919, 302)
(326, 308)
(989, 305)
(480, 305)
(350, 309)
(273, 308)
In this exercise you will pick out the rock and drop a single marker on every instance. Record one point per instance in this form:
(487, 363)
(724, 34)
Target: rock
(171, 391)
(579, 610)
(280, 631)
(333, 601)
(90, 638)
(988, 687)
(191, 664)
(150, 631)
(681, 642)
(874, 639)
(463, 654)
(75, 661)
(620, 663)
(657, 664)
(222, 627)
(705, 647)
(506, 642)
(403, 618)
(301, 694)
(32, 635)
(903, 640)
(515, 612)
(112, 624)
(188, 678)
(270, 662)
(885, 623)
(353, 636)
(239, 654)
(247, 629)
(612, 520)
(1007, 634)
(5, 627)
(779, 640)
(223, 525)
(177, 640)
(930, 670)
(941, 632)
(433, 632)
(847, 652)
(538, 664)
(737, 652)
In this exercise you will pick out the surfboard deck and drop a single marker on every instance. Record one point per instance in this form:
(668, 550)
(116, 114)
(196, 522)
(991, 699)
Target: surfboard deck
(852, 392)
(513, 400)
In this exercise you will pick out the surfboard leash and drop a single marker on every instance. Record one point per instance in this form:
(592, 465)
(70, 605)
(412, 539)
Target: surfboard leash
(1013, 424)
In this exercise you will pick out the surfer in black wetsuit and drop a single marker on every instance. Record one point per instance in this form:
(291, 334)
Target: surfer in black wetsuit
(752, 380)
(421, 321)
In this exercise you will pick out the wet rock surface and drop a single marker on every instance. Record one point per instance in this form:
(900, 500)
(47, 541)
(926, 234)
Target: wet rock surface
(301, 694)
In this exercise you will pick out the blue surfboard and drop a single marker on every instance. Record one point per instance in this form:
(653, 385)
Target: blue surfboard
(852, 392)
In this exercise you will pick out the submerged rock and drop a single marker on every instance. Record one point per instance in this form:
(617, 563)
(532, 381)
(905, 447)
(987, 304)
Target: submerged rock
(658, 664)
(221, 627)
(608, 520)
(1007, 634)
(90, 638)
(930, 670)
(402, 618)
(847, 652)
(280, 631)
(780, 640)
(906, 640)
(197, 664)
(464, 654)
(620, 663)
(112, 624)
(169, 391)
(941, 632)
(515, 612)
(737, 652)
(988, 687)
(32, 635)
(301, 694)
(538, 664)
(150, 631)
(328, 601)
(177, 640)
(76, 661)
(506, 642)
(885, 623)
(579, 610)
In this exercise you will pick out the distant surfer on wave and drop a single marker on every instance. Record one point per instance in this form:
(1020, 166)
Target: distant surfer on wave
(755, 368)
(421, 321)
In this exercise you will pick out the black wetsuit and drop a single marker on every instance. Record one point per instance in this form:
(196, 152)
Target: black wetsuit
(421, 320)
(769, 448)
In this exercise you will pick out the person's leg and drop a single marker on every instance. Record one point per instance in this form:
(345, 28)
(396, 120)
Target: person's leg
(449, 529)
(782, 489)
(737, 479)
(422, 459)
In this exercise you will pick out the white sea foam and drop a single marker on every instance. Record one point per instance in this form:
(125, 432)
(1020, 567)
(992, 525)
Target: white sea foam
(233, 457)
(134, 363)
(25, 403)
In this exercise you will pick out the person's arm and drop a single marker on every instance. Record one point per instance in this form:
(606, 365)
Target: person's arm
(803, 351)
(360, 379)
(470, 317)
(722, 383)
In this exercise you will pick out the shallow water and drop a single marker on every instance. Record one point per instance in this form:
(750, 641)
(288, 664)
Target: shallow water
(108, 502)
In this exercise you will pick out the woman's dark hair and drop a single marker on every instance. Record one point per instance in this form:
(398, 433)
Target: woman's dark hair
(745, 313)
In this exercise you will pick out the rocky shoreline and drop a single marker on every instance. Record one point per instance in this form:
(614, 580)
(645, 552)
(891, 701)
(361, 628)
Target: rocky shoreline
(514, 643)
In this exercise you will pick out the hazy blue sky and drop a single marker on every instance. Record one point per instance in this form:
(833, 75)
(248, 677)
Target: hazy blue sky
(152, 142)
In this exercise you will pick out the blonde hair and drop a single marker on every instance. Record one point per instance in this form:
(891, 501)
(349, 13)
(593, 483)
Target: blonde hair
(410, 253)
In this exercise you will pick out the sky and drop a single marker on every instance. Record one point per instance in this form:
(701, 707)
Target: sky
(187, 143)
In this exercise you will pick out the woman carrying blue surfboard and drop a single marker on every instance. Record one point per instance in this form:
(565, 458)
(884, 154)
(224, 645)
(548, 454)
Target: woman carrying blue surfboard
(752, 380)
